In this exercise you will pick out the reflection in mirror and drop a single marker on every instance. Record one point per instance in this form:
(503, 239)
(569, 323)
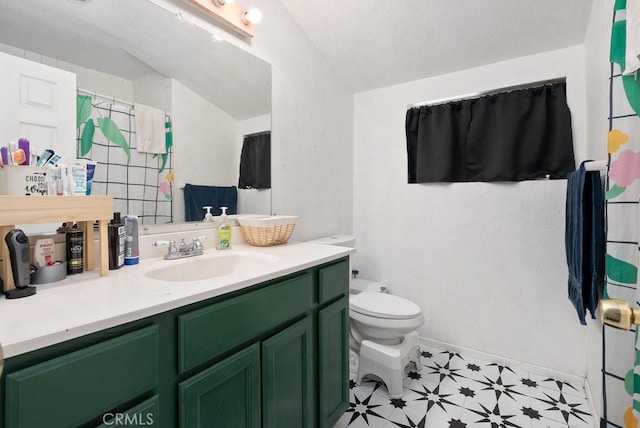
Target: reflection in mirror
(136, 52)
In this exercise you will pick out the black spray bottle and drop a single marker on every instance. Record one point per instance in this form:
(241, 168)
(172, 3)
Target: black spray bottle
(116, 242)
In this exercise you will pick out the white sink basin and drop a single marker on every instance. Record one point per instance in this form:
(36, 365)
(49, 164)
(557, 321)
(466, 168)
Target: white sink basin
(211, 265)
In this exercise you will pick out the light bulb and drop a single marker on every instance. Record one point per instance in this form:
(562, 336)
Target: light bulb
(253, 16)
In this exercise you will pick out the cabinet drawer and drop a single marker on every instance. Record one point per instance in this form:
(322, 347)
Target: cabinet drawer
(333, 280)
(211, 331)
(77, 387)
(145, 414)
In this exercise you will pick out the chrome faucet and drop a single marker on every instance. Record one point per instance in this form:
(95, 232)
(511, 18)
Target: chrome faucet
(195, 248)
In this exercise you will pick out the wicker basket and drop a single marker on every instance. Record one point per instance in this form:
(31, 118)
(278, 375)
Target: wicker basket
(267, 231)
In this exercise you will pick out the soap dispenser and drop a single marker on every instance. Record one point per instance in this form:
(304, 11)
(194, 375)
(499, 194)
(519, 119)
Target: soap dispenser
(224, 231)
(208, 217)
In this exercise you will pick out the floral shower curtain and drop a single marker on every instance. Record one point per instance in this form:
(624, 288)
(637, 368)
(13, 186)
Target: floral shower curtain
(621, 366)
(140, 183)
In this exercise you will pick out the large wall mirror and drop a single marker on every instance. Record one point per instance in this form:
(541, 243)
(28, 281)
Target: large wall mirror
(135, 51)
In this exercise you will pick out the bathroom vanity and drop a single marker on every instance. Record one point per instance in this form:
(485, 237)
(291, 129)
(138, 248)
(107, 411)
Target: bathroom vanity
(266, 346)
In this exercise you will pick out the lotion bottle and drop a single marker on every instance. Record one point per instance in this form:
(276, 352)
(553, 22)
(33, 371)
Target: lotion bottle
(224, 231)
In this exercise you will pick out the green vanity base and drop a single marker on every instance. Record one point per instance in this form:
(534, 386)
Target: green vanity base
(272, 355)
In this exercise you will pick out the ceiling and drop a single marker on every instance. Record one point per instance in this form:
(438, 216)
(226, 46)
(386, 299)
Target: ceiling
(373, 44)
(131, 39)
(370, 44)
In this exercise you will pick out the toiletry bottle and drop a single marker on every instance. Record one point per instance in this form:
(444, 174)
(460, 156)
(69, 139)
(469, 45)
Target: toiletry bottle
(4, 153)
(23, 144)
(224, 231)
(116, 242)
(44, 252)
(75, 250)
(16, 155)
(208, 217)
(131, 249)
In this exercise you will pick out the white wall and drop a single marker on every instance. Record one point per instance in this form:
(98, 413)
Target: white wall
(485, 261)
(312, 129)
(153, 89)
(201, 132)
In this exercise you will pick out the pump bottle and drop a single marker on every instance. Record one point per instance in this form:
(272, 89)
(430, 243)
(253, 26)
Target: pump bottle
(208, 217)
(224, 231)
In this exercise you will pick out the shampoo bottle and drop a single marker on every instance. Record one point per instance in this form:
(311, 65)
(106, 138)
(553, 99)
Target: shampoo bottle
(224, 231)
(116, 242)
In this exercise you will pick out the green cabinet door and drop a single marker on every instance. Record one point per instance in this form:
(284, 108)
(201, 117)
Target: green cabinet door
(287, 377)
(226, 395)
(333, 361)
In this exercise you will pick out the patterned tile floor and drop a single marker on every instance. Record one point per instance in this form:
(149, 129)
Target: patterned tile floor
(455, 391)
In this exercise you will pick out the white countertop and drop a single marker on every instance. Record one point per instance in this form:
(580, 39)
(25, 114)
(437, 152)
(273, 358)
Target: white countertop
(87, 303)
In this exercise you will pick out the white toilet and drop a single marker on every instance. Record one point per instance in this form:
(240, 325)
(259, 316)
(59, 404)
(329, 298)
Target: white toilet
(382, 328)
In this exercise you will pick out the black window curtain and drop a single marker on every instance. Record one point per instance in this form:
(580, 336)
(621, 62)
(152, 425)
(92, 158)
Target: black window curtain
(255, 162)
(510, 136)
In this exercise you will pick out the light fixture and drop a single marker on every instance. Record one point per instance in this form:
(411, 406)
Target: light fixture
(253, 16)
(231, 14)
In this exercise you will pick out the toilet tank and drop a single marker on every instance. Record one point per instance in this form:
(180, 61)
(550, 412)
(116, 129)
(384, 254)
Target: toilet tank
(339, 240)
(357, 286)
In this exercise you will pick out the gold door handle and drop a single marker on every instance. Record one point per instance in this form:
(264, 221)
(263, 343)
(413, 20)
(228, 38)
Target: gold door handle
(618, 313)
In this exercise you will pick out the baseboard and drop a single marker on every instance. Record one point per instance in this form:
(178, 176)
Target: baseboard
(593, 409)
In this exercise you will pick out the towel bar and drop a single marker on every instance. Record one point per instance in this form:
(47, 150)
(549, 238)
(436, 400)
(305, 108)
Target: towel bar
(599, 165)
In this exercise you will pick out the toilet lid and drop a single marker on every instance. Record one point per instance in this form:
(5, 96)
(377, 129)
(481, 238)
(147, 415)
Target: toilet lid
(382, 305)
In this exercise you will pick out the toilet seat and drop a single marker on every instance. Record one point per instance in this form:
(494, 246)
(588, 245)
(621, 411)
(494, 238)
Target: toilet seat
(377, 327)
(381, 305)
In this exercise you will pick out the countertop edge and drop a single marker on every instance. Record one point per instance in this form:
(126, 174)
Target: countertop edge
(30, 342)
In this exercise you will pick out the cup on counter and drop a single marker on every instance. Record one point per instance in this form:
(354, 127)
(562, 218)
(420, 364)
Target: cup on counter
(47, 274)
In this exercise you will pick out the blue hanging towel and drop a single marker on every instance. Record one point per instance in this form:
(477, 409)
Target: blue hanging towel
(584, 240)
(196, 197)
